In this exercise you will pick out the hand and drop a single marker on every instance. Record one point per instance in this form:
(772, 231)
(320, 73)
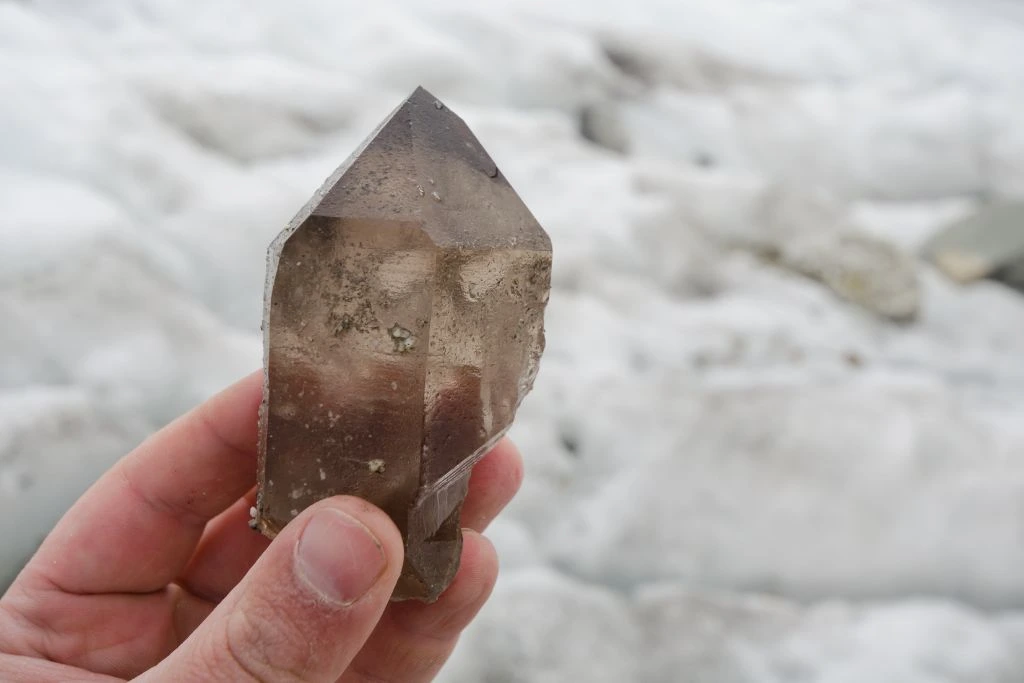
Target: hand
(155, 572)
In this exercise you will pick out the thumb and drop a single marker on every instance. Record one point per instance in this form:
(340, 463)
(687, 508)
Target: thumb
(304, 610)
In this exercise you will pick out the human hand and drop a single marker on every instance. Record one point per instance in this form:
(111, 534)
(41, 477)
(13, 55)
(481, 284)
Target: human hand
(155, 573)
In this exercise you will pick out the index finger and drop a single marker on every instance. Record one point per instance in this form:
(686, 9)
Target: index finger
(135, 529)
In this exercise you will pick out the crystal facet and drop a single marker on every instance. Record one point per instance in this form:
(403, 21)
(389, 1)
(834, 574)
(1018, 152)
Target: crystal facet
(403, 326)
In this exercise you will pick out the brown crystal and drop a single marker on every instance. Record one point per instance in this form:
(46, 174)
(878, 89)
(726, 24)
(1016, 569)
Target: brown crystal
(403, 326)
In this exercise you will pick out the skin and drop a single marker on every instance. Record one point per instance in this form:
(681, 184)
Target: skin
(155, 574)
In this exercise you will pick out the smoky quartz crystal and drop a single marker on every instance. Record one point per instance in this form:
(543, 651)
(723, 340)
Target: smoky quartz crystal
(403, 326)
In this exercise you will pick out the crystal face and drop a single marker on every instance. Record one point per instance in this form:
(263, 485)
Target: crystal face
(403, 326)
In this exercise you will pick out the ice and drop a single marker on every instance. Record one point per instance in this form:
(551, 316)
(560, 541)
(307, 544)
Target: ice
(729, 637)
(733, 473)
(604, 646)
(53, 442)
(667, 633)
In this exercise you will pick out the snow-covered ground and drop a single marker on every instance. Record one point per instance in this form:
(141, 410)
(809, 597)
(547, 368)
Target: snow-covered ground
(767, 442)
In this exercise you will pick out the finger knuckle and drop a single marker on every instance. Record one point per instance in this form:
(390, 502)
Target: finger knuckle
(264, 645)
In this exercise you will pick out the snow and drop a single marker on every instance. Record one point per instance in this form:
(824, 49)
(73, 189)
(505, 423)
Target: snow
(736, 471)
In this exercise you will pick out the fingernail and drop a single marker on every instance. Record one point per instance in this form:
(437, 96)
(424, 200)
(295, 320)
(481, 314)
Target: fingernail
(338, 557)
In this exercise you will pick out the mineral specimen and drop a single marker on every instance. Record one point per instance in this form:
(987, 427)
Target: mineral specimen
(403, 326)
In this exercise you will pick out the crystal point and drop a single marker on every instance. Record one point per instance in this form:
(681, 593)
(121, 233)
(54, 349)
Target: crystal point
(403, 326)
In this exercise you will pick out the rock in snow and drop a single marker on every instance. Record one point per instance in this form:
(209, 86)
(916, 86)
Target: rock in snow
(989, 243)
(739, 468)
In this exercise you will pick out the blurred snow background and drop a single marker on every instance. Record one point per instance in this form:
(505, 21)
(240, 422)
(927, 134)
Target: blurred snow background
(768, 442)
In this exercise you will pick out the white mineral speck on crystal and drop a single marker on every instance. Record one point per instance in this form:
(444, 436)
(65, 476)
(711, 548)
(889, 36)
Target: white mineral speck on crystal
(404, 339)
